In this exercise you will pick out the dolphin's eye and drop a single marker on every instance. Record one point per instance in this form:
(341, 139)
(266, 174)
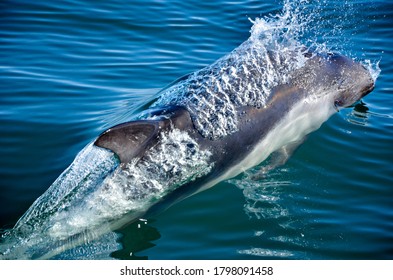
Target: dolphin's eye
(338, 104)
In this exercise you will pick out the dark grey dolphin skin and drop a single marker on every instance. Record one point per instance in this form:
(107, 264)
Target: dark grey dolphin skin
(326, 83)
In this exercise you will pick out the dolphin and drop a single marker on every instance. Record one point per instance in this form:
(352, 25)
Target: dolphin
(204, 128)
(322, 86)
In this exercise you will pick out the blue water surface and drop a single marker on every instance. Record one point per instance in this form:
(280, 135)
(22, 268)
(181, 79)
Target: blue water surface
(71, 69)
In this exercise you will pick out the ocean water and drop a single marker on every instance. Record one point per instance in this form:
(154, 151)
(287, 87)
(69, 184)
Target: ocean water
(71, 69)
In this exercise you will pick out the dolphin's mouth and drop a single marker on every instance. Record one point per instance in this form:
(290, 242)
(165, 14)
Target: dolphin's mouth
(369, 88)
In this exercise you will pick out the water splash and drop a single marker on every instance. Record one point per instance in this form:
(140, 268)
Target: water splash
(373, 68)
(76, 181)
(175, 160)
(284, 29)
(38, 224)
(94, 196)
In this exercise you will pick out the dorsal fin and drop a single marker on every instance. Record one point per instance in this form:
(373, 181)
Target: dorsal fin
(131, 139)
(128, 140)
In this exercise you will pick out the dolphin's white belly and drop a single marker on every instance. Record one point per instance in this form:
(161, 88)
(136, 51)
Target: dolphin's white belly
(305, 117)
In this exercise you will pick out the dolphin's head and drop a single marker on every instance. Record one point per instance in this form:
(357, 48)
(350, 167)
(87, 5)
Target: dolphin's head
(352, 80)
(343, 80)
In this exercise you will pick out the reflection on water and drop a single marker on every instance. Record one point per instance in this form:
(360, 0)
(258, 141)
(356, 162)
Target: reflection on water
(135, 238)
(263, 196)
(265, 199)
(98, 249)
(359, 114)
